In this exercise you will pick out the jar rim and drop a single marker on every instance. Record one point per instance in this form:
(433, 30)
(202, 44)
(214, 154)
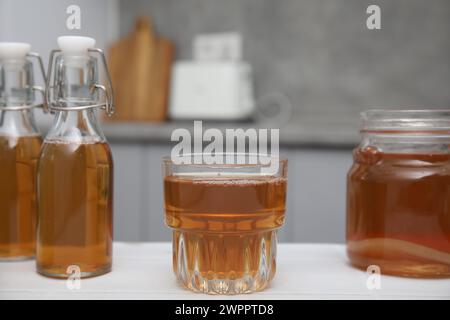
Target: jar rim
(401, 120)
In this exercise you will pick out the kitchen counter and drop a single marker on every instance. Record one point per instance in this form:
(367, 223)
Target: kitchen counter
(144, 271)
(291, 135)
(306, 133)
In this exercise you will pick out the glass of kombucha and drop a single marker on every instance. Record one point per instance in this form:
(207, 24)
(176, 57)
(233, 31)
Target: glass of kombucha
(398, 193)
(224, 220)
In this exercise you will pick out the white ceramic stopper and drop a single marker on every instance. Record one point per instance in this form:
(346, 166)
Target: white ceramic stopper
(75, 45)
(14, 50)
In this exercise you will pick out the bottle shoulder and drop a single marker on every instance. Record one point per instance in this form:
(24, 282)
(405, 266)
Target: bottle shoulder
(18, 123)
(73, 154)
(76, 127)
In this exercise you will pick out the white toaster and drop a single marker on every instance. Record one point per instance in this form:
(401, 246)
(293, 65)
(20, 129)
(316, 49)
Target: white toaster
(211, 90)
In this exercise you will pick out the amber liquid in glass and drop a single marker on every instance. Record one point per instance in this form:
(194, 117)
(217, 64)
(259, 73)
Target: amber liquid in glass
(224, 229)
(75, 209)
(399, 213)
(18, 159)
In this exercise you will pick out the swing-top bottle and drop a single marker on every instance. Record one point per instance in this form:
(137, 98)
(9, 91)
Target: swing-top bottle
(75, 178)
(20, 144)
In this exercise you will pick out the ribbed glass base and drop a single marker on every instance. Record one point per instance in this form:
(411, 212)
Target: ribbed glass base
(224, 263)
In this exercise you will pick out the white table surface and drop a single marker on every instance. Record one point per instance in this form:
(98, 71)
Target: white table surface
(144, 271)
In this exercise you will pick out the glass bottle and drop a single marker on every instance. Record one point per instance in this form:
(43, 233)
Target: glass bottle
(398, 193)
(75, 171)
(20, 144)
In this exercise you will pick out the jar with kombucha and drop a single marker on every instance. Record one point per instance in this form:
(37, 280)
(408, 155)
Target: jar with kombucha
(398, 194)
(75, 171)
(20, 144)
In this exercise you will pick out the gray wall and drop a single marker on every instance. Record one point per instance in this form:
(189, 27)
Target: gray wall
(40, 22)
(320, 53)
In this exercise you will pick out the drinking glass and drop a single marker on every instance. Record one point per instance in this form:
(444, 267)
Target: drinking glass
(224, 220)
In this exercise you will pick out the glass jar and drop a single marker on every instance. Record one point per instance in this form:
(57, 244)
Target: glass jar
(224, 220)
(398, 193)
(20, 144)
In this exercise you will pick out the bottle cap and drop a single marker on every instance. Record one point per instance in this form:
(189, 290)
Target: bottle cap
(14, 50)
(75, 45)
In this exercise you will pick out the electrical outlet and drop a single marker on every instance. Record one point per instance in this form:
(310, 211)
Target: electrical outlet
(218, 47)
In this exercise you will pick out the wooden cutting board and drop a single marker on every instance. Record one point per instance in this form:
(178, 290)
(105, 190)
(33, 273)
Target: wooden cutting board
(140, 67)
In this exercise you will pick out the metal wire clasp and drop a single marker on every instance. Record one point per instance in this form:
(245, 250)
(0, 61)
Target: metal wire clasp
(107, 91)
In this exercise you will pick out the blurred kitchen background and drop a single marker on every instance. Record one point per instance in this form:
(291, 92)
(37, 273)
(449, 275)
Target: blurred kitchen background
(307, 67)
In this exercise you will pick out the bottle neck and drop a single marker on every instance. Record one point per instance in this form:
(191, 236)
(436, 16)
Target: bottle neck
(17, 123)
(75, 121)
(76, 127)
(16, 82)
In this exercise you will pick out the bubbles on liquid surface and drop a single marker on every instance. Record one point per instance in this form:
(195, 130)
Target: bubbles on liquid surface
(216, 179)
(77, 140)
